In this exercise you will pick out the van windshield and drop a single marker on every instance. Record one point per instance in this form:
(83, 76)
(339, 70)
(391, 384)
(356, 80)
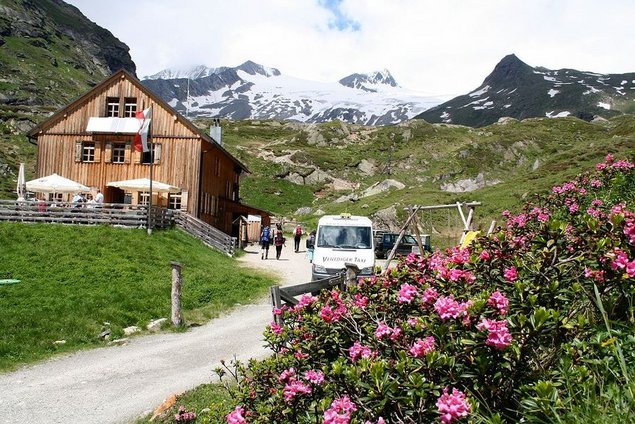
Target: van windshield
(344, 237)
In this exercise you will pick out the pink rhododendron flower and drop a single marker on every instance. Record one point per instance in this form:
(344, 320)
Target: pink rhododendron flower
(315, 377)
(422, 347)
(300, 355)
(574, 207)
(236, 416)
(484, 256)
(447, 307)
(340, 411)
(276, 329)
(498, 335)
(499, 301)
(358, 351)
(360, 301)
(326, 313)
(294, 388)
(383, 330)
(452, 406)
(287, 375)
(407, 292)
(511, 274)
(413, 322)
(429, 295)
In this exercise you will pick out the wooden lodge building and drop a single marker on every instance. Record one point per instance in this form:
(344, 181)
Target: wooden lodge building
(207, 175)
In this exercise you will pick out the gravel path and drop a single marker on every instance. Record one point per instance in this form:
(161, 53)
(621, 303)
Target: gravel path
(117, 384)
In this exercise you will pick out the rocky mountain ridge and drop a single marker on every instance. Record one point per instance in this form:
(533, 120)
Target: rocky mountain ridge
(515, 89)
(50, 53)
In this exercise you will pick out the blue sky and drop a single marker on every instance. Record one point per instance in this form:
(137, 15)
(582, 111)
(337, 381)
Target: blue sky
(340, 21)
(438, 47)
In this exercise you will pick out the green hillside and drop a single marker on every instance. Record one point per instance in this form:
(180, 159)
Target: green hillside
(76, 282)
(526, 157)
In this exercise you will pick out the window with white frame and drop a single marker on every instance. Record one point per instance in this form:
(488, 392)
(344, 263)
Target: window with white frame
(130, 107)
(88, 151)
(118, 152)
(144, 198)
(112, 107)
(174, 201)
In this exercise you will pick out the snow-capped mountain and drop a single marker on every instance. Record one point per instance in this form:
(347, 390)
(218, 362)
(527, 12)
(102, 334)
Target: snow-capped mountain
(515, 89)
(253, 91)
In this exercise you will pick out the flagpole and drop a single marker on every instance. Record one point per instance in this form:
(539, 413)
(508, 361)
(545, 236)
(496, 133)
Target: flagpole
(151, 172)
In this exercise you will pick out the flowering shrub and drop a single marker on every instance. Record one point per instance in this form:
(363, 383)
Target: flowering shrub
(451, 335)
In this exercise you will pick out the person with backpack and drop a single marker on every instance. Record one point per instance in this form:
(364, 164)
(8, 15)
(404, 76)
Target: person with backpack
(279, 241)
(297, 235)
(265, 238)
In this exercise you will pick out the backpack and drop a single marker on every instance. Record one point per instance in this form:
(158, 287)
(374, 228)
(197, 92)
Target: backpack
(279, 239)
(265, 234)
(298, 231)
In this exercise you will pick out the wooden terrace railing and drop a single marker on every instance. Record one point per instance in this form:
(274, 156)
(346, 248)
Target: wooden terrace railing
(210, 235)
(115, 214)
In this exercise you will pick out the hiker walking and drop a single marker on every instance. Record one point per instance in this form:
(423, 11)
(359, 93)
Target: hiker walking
(265, 238)
(310, 246)
(279, 241)
(297, 235)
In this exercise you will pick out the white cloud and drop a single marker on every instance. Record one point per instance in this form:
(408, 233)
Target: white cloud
(437, 47)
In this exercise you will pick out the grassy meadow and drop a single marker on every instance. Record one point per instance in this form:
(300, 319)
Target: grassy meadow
(79, 281)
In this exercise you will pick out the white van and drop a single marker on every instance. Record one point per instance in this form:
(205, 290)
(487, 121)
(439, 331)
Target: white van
(341, 239)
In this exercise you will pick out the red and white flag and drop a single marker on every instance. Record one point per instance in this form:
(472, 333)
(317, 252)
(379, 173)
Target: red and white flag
(141, 137)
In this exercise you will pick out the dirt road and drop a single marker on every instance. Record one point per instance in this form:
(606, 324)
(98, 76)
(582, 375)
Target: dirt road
(117, 384)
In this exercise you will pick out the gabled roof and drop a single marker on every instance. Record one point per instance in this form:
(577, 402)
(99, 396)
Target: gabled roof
(77, 103)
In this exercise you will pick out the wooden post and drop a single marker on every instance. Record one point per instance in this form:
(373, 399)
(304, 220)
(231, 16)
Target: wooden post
(177, 318)
(351, 274)
(401, 234)
(415, 224)
(276, 302)
(491, 227)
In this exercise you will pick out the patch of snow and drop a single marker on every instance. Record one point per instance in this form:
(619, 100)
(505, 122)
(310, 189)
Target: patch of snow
(624, 82)
(485, 106)
(552, 92)
(479, 92)
(591, 89)
(507, 106)
(562, 114)
(604, 105)
(549, 78)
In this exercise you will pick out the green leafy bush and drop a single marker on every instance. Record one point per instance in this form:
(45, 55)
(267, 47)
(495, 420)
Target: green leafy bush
(496, 331)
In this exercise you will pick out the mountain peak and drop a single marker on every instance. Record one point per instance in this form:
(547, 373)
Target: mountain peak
(253, 68)
(369, 82)
(509, 70)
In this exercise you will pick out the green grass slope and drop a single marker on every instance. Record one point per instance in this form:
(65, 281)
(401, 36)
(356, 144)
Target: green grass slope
(76, 279)
(524, 156)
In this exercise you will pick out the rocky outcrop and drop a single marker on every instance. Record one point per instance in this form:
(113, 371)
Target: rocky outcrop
(470, 184)
(382, 187)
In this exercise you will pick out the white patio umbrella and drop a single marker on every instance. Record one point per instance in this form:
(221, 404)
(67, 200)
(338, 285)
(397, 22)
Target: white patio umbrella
(55, 184)
(21, 184)
(143, 184)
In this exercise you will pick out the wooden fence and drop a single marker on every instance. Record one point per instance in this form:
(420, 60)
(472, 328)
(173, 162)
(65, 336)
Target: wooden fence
(288, 294)
(115, 214)
(211, 236)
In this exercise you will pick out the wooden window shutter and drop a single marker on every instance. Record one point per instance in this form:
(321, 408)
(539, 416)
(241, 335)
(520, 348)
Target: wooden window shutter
(184, 200)
(128, 154)
(108, 152)
(78, 151)
(97, 150)
(157, 153)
